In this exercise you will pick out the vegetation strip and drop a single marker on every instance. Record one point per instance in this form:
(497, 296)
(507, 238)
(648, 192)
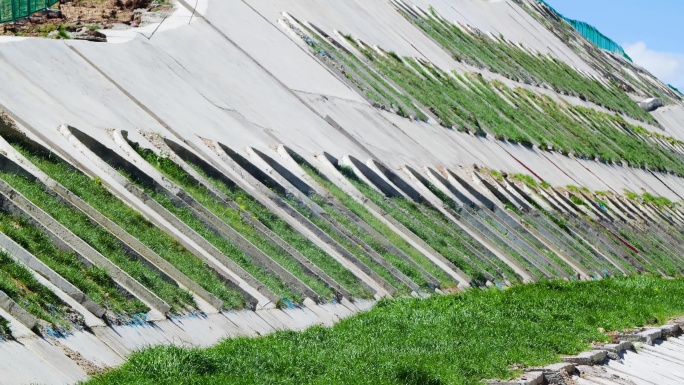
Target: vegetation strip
(232, 218)
(17, 282)
(408, 214)
(248, 204)
(468, 102)
(189, 217)
(102, 241)
(344, 199)
(94, 193)
(91, 280)
(454, 339)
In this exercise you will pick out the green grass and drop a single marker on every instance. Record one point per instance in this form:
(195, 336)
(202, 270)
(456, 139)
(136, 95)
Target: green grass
(446, 231)
(453, 339)
(521, 66)
(376, 224)
(91, 280)
(232, 218)
(471, 103)
(20, 285)
(655, 252)
(5, 331)
(421, 224)
(490, 220)
(281, 228)
(409, 270)
(354, 249)
(577, 247)
(92, 191)
(563, 224)
(219, 241)
(103, 241)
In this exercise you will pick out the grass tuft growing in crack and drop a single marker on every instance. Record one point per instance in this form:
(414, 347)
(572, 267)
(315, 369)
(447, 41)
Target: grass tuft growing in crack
(5, 331)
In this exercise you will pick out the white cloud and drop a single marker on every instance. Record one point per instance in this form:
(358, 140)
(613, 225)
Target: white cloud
(667, 66)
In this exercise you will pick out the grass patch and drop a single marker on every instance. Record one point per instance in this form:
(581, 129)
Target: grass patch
(92, 281)
(20, 285)
(226, 247)
(454, 339)
(232, 218)
(354, 249)
(271, 220)
(104, 242)
(655, 251)
(5, 331)
(376, 224)
(410, 271)
(468, 102)
(421, 224)
(480, 50)
(92, 191)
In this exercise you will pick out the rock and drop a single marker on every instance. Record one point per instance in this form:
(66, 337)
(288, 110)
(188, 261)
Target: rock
(649, 336)
(587, 358)
(53, 14)
(90, 35)
(651, 104)
(670, 330)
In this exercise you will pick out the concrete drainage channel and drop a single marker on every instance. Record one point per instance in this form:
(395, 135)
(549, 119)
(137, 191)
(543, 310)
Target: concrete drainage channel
(628, 361)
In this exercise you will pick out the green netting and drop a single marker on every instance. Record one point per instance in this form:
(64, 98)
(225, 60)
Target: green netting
(592, 34)
(11, 10)
(676, 89)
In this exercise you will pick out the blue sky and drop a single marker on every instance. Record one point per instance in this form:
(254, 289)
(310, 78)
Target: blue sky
(649, 30)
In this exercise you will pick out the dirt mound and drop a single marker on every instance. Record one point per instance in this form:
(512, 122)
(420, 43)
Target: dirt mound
(67, 17)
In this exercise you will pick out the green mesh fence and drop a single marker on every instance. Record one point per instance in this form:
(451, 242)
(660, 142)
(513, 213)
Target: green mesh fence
(11, 10)
(592, 34)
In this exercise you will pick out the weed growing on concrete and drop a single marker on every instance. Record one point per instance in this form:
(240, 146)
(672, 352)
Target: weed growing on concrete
(452, 339)
(119, 212)
(104, 242)
(5, 331)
